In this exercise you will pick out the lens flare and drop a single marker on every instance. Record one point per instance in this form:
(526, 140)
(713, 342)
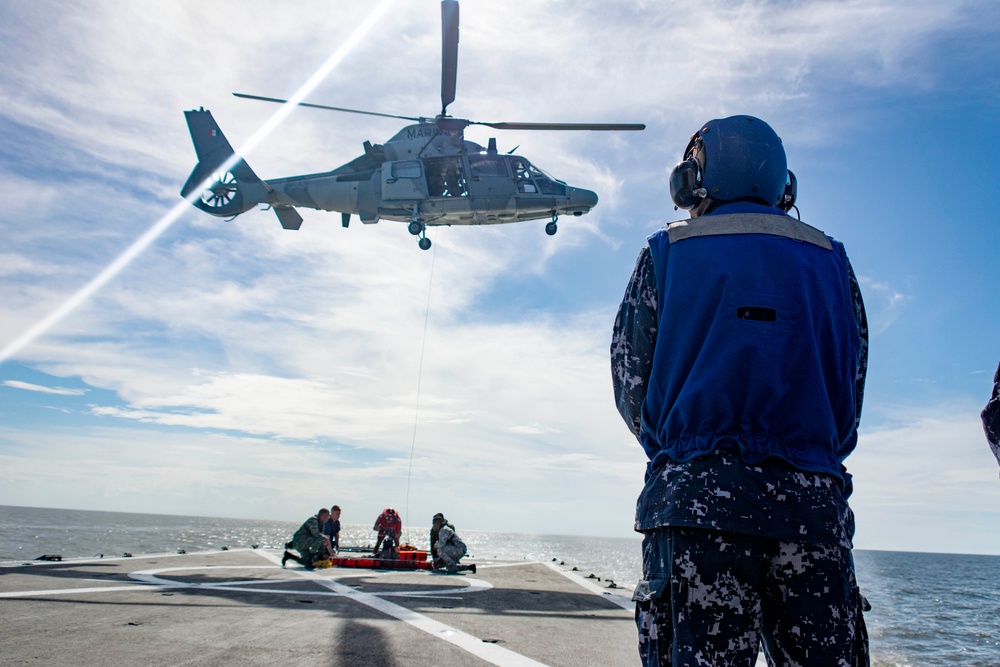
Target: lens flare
(164, 223)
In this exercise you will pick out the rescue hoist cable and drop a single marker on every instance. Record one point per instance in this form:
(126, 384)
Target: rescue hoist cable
(420, 372)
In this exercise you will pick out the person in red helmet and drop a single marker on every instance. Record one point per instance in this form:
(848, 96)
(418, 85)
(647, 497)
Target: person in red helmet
(389, 527)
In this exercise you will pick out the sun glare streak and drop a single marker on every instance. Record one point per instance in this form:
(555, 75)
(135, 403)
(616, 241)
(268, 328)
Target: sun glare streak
(165, 222)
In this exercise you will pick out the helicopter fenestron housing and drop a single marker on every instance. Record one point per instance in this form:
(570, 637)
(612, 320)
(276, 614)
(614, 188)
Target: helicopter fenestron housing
(426, 175)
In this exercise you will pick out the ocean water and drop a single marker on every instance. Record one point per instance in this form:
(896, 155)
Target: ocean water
(928, 610)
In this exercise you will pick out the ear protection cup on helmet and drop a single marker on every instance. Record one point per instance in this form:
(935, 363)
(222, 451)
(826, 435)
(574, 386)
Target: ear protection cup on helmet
(791, 190)
(685, 184)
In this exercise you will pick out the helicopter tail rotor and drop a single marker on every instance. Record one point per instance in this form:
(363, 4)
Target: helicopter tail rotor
(223, 192)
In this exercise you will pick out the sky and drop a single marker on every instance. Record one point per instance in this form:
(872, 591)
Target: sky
(236, 369)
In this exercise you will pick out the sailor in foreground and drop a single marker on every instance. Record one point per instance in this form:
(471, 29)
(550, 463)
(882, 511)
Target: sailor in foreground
(309, 541)
(738, 360)
(446, 548)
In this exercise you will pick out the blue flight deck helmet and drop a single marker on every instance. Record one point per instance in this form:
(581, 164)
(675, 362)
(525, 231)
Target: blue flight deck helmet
(739, 157)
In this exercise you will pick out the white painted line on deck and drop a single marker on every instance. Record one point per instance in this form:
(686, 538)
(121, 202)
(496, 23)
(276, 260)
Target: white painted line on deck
(624, 603)
(73, 560)
(488, 566)
(68, 591)
(491, 653)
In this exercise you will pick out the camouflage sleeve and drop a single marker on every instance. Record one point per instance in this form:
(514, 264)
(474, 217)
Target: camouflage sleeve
(991, 417)
(633, 340)
(862, 319)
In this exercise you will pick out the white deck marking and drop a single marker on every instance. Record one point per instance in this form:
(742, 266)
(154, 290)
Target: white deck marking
(151, 581)
(491, 653)
(66, 591)
(624, 603)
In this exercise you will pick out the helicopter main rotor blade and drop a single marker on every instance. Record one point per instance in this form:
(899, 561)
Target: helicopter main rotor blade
(562, 126)
(449, 52)
(323, 106)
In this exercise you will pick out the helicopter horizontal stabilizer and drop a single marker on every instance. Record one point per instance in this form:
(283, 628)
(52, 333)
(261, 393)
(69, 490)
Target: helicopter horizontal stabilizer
(288, 217)
(224, 192)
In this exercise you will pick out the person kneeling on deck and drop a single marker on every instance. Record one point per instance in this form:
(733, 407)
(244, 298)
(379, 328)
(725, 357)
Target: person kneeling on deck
(389, 527)
(446, 548)
(309, 541)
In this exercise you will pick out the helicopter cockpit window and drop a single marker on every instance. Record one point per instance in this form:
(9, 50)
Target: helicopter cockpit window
(522, 176)
(545, 183)
(445, 177)
(406, 169)
(486, 165)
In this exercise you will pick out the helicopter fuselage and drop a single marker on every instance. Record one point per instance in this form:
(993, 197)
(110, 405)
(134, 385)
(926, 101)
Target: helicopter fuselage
(436, 178)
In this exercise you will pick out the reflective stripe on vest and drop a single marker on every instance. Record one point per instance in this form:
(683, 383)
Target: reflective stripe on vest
(747, 223)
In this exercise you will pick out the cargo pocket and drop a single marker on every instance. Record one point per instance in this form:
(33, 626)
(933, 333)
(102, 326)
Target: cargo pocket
(652, 619)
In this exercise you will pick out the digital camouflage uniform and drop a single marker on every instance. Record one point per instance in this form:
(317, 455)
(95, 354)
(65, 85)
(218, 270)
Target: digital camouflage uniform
(790, 532)
(991, 417)
(449, 549)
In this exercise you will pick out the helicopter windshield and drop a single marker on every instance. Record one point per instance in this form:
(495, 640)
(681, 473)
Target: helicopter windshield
(530, 179)
(445, 177)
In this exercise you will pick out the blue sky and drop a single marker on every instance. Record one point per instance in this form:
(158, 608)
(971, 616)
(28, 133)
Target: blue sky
(237, 369)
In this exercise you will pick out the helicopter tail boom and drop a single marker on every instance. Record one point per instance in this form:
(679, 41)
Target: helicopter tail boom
(230, 192)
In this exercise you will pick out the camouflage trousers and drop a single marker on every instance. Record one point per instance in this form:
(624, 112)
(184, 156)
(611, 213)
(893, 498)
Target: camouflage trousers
(711, 597)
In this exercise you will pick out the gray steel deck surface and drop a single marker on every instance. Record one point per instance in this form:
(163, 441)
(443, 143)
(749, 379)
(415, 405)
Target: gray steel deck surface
(240, 607)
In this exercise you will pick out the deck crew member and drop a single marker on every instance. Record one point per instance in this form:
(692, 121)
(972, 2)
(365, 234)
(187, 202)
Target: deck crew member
(436, 524)
(389, 527)
(332, 530)
(310, 541)
(446, 547)
(738, 359)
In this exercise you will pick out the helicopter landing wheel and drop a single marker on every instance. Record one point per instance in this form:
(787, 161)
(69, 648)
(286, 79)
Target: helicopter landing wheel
(551, 228)
(424, 243)
(415, 228)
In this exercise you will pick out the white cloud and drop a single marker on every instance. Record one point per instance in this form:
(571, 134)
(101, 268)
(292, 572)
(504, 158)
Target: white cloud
(27, 386)
(931, 464)
(884, 304)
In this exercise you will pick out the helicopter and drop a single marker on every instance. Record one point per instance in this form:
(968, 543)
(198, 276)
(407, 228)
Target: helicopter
(426, 175)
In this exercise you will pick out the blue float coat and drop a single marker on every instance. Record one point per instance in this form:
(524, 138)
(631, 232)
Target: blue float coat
(757, 351)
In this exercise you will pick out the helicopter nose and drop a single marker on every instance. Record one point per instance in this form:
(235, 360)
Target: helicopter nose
(582, 199)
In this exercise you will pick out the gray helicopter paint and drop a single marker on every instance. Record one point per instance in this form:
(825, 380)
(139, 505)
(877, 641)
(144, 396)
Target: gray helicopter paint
(368, 187)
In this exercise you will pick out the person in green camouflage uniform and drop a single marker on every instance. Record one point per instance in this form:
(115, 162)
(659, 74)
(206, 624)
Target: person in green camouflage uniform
(309, 541)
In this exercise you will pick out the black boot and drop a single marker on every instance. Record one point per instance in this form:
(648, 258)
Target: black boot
(285, 558)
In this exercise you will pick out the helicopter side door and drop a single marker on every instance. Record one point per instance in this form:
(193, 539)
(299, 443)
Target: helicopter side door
(490, 184)
(403, 179)
(446, 177)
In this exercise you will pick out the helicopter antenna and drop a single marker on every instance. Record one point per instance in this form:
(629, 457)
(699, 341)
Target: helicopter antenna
(449, 52)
